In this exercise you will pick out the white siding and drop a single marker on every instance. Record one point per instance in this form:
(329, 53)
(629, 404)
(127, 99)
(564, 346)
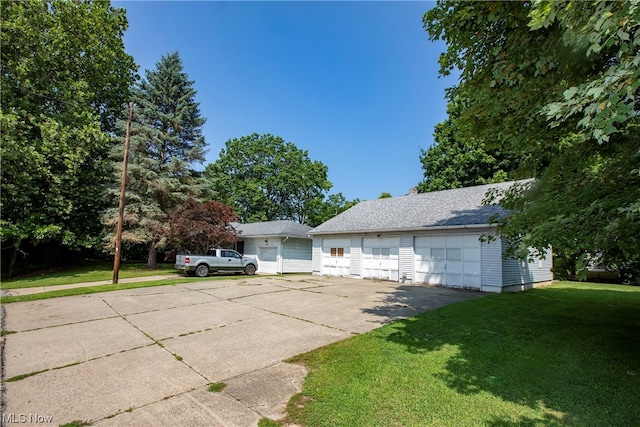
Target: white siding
(250, 248)
(516, 272)
(491, 274)
(406, 258)
(316, 252)
(356, 257)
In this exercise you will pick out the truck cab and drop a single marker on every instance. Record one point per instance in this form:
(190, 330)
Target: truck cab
(215, 260)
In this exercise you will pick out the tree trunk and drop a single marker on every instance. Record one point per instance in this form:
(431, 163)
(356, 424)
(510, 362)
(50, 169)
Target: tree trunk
(152, 258)
(14, 257)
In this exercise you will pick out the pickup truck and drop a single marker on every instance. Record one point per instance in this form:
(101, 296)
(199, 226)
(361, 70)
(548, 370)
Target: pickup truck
(215, 260)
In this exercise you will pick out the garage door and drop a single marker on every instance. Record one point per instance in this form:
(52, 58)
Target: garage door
(448, 260)
(380, 258)
(336, 258)
(268, 260)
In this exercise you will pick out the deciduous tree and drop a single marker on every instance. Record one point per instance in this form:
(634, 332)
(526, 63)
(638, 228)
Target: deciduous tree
(323, 210)
(197, 226)
(265, 178)
(557, 82)
(457, 159)
(65, 78)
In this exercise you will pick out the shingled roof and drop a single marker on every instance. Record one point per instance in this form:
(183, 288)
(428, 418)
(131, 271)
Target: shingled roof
(461, 207)
(283, 228)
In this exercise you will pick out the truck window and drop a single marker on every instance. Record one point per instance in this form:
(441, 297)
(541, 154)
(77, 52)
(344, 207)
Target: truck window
(231, 254)
(211, 252)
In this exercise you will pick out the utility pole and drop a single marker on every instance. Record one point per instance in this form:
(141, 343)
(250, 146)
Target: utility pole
(123, 184)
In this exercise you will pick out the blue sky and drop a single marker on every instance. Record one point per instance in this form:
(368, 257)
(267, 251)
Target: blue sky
(353, 83)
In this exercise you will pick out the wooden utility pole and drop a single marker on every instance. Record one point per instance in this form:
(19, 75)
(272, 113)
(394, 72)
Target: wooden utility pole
(123, 184)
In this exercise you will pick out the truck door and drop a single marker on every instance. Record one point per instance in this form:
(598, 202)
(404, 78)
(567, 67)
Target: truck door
(230, 260)
(212, 258)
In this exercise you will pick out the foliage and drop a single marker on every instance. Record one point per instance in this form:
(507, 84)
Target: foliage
(325, 209)
(385, 195)
(457, 160)
(265, 178)
(556, 82)
(485, 362)
(65, 77)
(198, 226)
(166, 139)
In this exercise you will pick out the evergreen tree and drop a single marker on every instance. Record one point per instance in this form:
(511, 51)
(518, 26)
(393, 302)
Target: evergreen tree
(166, 139)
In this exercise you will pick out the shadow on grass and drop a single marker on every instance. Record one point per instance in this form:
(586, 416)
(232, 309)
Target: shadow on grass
(570, 351)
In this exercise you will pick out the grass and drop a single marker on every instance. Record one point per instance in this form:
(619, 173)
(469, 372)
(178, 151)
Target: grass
(96, 272)
(90, 272)
(217, 387)
(566, 355)
(97, 288)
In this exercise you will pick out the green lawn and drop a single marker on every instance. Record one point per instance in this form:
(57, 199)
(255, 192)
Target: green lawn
(95, 272)
(90, 272)
(564, 355)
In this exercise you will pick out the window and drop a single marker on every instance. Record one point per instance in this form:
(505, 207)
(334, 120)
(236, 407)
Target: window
(454, 254)
(337, 252)
(437, 254)
(231, 254)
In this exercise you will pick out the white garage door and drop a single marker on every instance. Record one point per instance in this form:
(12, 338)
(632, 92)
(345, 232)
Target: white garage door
(380, 258)
(268, 260)
(448, 260)
(336, 257)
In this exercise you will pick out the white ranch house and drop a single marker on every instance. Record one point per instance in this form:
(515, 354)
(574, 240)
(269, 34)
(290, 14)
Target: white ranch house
(432, 238)
(279, 246)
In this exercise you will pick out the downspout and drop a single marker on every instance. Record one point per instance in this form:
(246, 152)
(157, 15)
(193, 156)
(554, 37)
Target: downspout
(281, 255)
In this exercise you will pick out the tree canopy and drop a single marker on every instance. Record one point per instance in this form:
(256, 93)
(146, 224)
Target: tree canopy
(265, 178)
(166, 140)
(65, 78)
(457, 160)
(556, 82)
(197, 226)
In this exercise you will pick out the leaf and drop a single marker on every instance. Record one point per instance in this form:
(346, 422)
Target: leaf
(570, 93)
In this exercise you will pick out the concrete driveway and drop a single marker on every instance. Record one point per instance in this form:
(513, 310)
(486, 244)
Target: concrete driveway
(146, 356)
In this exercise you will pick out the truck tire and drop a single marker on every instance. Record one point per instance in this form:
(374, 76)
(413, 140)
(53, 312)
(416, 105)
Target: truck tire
(202, 270)
(250, 269)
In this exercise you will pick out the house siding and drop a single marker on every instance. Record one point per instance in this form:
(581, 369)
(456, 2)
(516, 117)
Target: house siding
(496, 274)
(491, 262)
(406, 257)
(316, 251)
(355, 269)
(517, 274)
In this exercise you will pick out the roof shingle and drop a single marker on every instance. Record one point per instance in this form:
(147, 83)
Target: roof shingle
(283, 228)
(448, 208)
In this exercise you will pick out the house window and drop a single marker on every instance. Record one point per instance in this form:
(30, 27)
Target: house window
(337, 252)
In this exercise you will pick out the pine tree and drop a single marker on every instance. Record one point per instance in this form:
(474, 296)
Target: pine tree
(166, 140)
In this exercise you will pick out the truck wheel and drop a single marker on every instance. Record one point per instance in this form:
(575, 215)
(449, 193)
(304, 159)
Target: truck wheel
(250, 269)
(202, 270)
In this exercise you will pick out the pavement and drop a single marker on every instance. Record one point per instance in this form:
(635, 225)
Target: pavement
(147, 356)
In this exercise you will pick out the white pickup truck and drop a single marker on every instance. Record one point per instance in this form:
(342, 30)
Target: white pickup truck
(215, 260)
